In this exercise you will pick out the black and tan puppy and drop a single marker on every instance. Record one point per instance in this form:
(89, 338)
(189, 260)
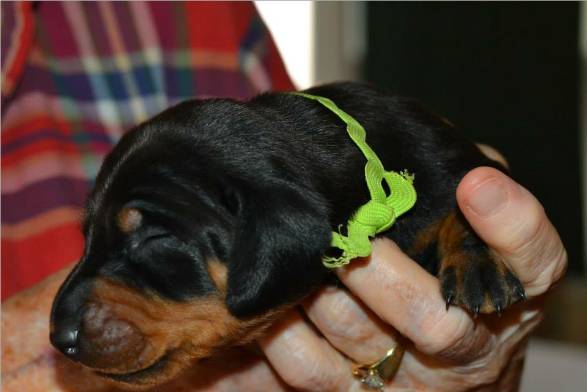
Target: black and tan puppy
(210, 219)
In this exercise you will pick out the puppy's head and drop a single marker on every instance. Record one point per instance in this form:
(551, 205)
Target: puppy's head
(197, 235)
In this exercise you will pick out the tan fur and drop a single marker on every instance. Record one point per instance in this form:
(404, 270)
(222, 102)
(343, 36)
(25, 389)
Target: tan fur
(450, 235)
(424, 239)
(129, 219)
(218, 273)
(182, 332)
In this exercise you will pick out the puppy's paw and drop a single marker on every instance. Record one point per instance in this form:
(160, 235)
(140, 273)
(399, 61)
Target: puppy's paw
(471, 275)
(477, 281)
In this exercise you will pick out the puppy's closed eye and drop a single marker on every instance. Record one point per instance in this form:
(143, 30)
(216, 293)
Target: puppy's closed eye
(149, 237)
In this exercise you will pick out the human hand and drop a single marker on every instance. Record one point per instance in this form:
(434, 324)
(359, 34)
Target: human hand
(391, 294)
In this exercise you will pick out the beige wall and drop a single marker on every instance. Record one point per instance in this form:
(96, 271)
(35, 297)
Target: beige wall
(340, 40)
(319, 42)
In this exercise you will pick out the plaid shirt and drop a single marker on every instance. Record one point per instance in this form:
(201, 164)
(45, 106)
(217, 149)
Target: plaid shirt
(76, 75)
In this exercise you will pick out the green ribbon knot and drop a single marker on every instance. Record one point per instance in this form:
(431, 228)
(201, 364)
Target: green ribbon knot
(379, 213)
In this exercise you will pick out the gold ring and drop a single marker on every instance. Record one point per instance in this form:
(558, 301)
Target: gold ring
(375, 375)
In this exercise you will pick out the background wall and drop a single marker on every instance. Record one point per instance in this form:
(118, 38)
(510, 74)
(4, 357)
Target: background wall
(320, 42)
(507, 74)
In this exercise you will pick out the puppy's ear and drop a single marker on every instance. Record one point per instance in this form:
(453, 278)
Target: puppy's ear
(276, 255)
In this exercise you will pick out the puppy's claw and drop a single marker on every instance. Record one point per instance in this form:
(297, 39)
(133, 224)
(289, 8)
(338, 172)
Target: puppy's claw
(449, 300)
(498, 309)
(521, 293)
(476, 311)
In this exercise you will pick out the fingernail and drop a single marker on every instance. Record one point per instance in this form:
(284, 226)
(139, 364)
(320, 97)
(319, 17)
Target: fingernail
(489, 198)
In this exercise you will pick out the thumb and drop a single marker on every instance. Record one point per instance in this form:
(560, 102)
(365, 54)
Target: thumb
(513, 223)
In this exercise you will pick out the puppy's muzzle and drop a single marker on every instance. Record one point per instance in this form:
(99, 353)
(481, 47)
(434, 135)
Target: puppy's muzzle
(101, 340)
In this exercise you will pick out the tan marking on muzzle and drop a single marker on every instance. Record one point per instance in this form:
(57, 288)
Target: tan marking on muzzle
(180, 331)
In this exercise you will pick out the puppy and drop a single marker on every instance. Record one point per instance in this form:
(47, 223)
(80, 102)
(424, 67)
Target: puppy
(211, 219)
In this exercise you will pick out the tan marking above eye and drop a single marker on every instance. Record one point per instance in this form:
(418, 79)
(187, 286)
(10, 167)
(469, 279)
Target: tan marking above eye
(129, 219)
(218, 273)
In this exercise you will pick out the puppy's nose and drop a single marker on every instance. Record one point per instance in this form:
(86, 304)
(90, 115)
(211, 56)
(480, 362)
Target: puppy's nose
(65, 315)
(64, 339)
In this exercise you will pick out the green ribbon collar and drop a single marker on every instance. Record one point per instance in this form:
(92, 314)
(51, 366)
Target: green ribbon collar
(379, 213)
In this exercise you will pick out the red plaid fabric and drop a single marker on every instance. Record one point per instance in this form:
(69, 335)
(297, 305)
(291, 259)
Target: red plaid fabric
(76, 75)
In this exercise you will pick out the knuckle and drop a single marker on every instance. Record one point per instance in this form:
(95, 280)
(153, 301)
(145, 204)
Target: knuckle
(536, 248)
(445, 336)
(550, 273)
(486, 372)
(350, 323)
(528, 231)
(314, 379)
(538, 251)
(316, 371)
(489, 374)
(560, 263)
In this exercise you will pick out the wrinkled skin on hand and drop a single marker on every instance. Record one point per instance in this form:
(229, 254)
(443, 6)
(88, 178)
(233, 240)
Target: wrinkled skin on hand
(390, 295)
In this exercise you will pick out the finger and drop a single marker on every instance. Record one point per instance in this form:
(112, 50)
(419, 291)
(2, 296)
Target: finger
(254, 376)
(513, 223)
(303, 359)
(492, 153)
(408, 298)
(510, 348)
(233, 370)
(349, 326)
